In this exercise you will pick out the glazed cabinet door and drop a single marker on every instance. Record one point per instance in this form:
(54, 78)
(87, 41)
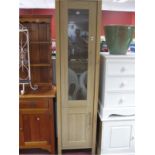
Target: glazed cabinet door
(77, 71)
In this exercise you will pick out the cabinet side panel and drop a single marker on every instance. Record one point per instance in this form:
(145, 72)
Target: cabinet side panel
(98, 23)
(58, 75)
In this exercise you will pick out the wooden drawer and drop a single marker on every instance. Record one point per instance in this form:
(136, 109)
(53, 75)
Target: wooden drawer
(120, 83)
(119, 100)
(43, 103)
(120, 67)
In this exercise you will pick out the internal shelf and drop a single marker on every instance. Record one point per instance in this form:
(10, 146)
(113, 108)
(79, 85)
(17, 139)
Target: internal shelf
(40, 54)
(40, 42)
(41, 65)
(42, 91)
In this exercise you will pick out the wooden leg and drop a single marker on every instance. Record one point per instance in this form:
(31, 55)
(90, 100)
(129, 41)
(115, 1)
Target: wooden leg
(59, 150)
(93, 151)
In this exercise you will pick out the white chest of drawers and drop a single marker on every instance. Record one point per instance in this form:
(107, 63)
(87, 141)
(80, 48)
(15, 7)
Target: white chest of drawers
(116, 105)
(116, 95)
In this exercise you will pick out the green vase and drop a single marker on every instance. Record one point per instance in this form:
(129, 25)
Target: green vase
(118, 38)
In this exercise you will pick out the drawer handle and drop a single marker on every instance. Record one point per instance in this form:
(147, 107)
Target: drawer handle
(123, 69)
(38, 118)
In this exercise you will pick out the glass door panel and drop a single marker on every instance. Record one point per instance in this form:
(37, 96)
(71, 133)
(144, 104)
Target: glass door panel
(78, 33)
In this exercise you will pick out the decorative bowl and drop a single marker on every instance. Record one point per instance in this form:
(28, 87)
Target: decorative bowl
(118, 38)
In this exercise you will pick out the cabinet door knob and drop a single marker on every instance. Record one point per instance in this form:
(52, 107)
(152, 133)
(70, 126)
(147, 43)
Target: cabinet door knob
(20, 129)
(38, 118)
(132, 138)
(92, 38)
(33, 104)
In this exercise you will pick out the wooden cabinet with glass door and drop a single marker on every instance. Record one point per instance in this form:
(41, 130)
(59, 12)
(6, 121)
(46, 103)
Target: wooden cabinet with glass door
(77, 72)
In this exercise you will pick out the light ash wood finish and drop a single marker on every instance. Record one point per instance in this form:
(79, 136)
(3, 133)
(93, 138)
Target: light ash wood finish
(87, 110)
(58, 77)
(69, 131)
(91, 49)
(77, 123)
(97, 62)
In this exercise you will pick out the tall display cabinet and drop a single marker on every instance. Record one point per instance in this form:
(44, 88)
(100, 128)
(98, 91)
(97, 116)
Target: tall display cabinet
(78, 38)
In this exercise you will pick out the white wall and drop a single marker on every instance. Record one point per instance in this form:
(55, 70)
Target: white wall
(106, 4)
(37, 4)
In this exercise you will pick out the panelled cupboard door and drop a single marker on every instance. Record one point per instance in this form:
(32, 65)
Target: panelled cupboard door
(21, 134)
(78, 38)
(133, 138)
(118, 137)
(77, 128)
(36, 128)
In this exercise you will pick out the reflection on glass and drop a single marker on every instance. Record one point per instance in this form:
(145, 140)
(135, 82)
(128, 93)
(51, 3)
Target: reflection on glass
(77, 53)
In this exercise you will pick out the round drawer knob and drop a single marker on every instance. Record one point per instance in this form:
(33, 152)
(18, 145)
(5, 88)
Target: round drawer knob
(121, 101)
(20, 129)
(122, 85)
(38, 118)
(123, 69)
